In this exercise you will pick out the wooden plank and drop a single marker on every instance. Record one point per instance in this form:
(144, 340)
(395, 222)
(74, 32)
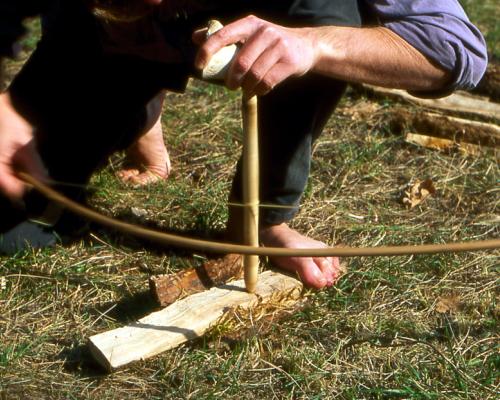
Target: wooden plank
(187, 319)
(461, 102)
(167, 289)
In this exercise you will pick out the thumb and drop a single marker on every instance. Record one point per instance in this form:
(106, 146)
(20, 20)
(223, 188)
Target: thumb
(10, 185)
(27, 159)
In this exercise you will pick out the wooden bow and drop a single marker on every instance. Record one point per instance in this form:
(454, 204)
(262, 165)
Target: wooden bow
(219, 247)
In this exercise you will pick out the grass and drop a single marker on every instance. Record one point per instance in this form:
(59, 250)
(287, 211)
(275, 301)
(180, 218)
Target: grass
(413, 327)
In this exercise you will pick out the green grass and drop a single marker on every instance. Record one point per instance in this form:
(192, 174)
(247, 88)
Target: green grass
(486, 16)
(377, 334)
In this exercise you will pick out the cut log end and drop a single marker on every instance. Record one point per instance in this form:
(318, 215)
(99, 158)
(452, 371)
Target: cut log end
(99, 356)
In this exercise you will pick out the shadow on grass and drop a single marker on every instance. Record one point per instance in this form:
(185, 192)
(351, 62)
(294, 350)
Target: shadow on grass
(78, 360)
(134, 242)
(130, 308)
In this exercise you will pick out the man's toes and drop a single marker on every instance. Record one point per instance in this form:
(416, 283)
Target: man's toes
(329, 268)
(145, 178)
(137, 178)
(126, 175)
(311, 275)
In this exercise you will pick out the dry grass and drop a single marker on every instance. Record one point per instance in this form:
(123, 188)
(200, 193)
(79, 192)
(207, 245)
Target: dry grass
(421, 327)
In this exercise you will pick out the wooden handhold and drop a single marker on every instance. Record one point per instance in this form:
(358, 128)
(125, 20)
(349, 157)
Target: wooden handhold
(187, 319)
(218, 65)
(166, 289)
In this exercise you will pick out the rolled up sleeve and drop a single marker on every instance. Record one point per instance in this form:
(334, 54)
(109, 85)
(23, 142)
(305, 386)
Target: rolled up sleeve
(442, 32)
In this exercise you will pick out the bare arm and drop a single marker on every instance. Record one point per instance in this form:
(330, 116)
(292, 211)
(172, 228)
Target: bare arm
(374, 55)
(271, 53)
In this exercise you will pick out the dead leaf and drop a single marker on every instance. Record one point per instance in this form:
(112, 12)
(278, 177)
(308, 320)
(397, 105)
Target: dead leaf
(418, 192)
(449, 303)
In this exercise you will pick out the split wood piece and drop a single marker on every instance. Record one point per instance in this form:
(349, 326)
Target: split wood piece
(250, 189)
(166, 289)
(460, 102)
(436, 143)
(442, 126)
(188, 319)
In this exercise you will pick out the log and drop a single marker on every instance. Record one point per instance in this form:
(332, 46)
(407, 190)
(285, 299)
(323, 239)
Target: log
(457, 129)
(460, 102)
(166, 289)
(188, 319)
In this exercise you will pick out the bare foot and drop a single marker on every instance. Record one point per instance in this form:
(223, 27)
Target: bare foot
(315, 272)
(147, 159)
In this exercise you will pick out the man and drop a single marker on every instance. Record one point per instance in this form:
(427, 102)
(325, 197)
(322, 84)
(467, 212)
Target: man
(296, 54)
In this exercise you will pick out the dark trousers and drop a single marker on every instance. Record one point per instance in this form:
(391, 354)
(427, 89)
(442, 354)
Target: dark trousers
(87, 104)
(291, 118)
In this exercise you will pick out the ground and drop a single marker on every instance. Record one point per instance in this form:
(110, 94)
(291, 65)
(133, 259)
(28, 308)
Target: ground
(420, 327)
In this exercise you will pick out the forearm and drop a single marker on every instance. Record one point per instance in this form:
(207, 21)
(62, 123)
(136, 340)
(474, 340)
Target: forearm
(374, 55)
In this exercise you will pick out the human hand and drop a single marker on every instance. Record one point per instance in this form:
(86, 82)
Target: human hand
(17, 150)
(269, 53)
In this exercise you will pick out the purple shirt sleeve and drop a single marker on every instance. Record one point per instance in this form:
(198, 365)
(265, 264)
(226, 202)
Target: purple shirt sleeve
(440, 30)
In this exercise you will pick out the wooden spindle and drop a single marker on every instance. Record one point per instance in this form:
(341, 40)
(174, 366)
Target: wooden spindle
(250, 189)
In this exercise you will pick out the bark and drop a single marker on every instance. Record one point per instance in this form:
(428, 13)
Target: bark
(166, 289)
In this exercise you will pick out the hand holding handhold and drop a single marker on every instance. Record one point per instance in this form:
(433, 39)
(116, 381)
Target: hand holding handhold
(218, 65)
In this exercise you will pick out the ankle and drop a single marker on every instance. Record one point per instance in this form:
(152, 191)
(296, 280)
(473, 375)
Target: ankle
(269, 233)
